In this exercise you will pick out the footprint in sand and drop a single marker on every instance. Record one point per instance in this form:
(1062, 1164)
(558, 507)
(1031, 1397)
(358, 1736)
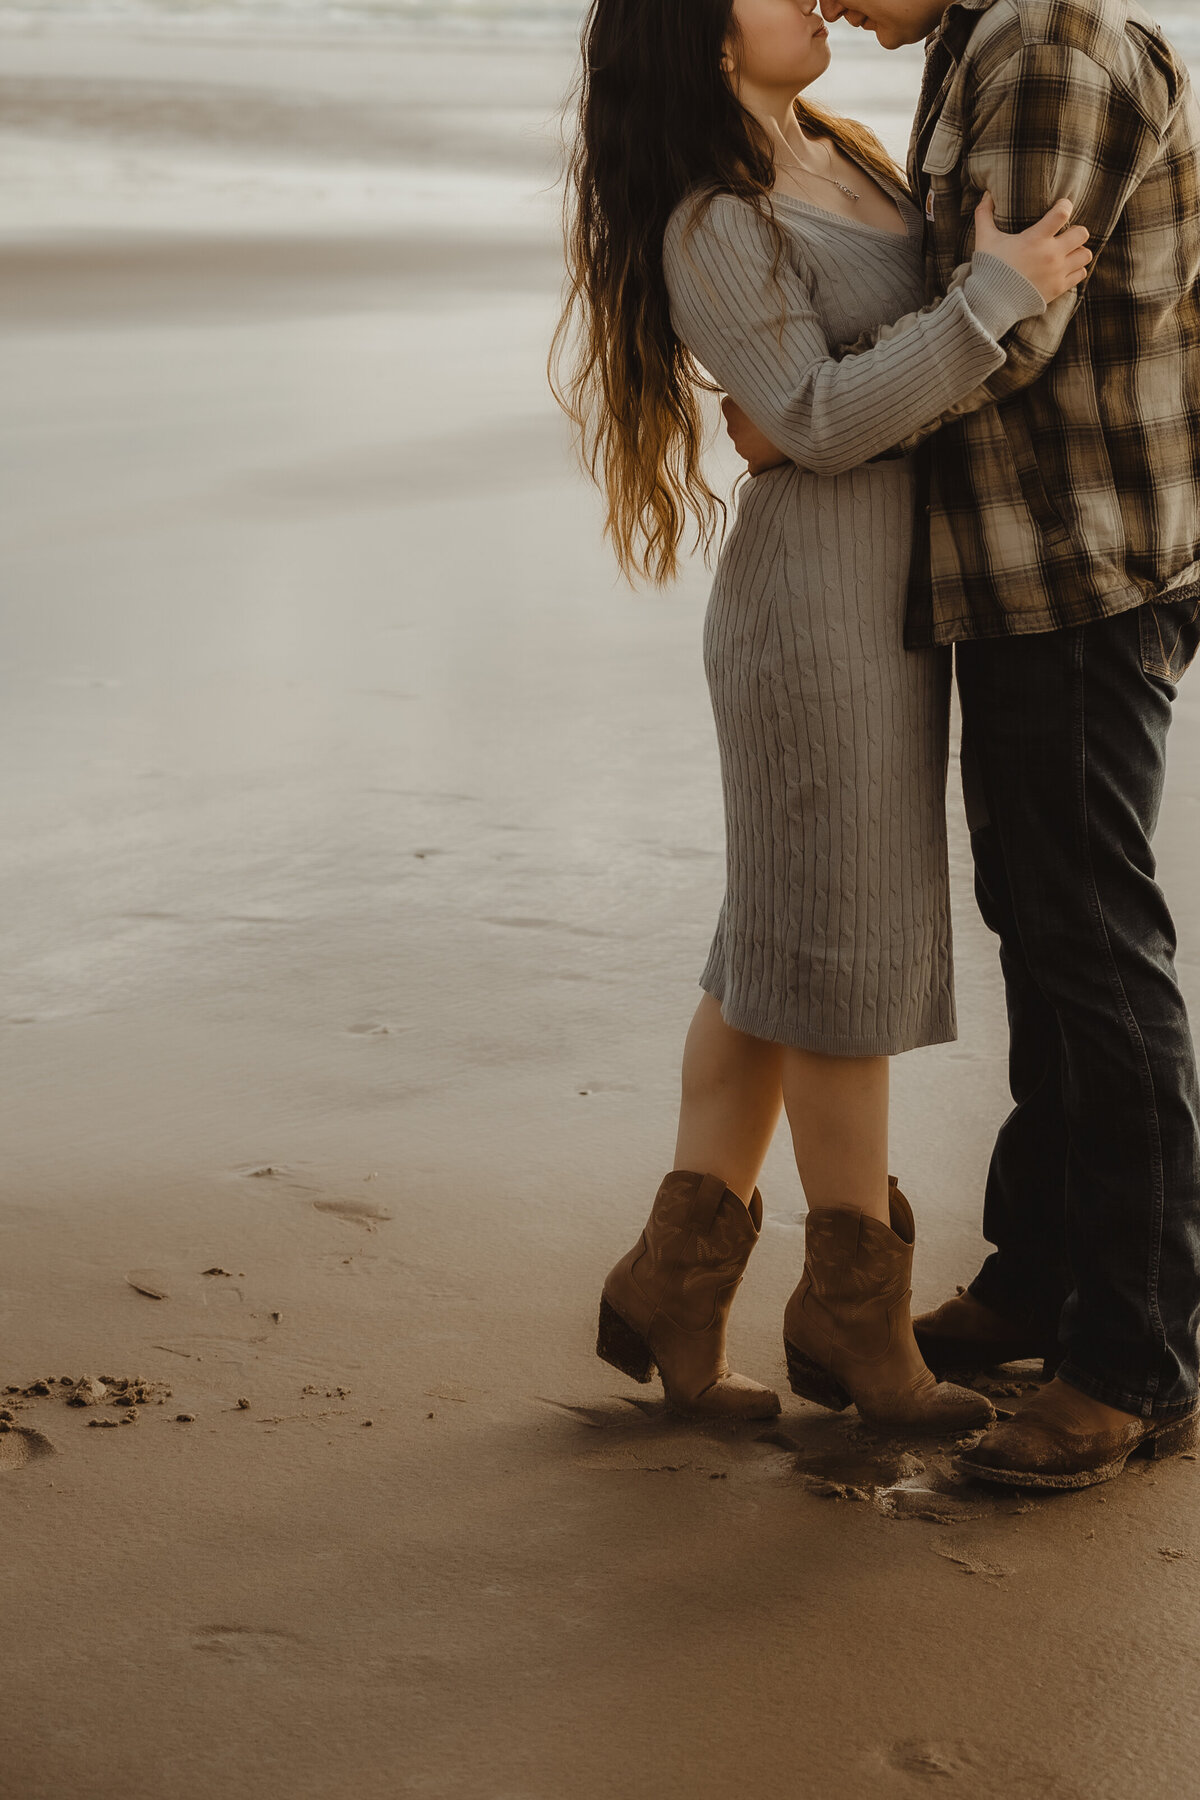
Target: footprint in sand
(273, 1174)
(914, 1500)
(244, 1643)
(355, 1212)
(21, 1444)
(969, 1563)
(522, 924)
(930, 1762)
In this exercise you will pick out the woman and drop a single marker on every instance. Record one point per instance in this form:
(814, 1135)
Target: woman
(721, 223)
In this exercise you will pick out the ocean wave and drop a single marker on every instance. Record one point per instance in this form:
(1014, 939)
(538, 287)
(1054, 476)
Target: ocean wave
(559, 19)
(542, 18)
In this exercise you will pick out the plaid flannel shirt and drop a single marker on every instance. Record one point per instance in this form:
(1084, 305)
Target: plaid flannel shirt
(1067, 487)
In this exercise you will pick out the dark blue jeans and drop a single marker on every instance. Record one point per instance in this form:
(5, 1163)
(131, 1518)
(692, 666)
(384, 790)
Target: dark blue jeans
(1093, 1194)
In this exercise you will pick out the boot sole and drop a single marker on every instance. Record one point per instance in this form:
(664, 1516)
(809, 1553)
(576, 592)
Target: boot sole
(619, 1345)
(1169, 1440)
(813, 1382)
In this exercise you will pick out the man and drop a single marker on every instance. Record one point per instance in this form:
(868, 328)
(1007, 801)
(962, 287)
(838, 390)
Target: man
(1061, 555)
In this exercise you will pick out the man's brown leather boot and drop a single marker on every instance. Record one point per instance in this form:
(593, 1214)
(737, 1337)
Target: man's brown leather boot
(666, 1303)
(1059, 1441)
(847, 1331)
(962, 1335)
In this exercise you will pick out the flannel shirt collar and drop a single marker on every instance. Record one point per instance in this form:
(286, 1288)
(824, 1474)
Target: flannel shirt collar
(956, 6)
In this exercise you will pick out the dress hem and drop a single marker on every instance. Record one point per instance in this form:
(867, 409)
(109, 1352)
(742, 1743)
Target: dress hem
(762, 1026)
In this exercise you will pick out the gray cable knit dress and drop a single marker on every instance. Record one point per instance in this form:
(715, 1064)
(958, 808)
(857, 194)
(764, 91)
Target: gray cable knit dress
(835, 929)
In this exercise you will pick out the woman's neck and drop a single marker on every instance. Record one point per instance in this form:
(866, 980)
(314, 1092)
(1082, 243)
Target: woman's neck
(775, 112)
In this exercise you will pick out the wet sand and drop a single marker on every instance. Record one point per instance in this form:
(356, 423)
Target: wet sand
(363, 848)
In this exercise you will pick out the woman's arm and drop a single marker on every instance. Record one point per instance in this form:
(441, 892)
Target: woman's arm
(761, 339)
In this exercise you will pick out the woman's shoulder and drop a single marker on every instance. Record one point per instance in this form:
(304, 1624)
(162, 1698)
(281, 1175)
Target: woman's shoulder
(719, 223)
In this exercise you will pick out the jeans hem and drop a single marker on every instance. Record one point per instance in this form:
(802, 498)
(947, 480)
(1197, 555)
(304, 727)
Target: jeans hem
(1137, 1404)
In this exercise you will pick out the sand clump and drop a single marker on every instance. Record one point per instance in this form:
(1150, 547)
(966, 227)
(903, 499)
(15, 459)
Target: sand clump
(20, 1443)
(87, 1392)
(124, 1391)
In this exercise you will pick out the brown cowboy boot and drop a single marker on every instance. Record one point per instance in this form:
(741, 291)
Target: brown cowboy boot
(666, 1303)
(1057, 1442)
(962, 1335)
(847, 1331)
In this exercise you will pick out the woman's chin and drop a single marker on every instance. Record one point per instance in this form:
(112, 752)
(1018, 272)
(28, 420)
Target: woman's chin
(817, 64)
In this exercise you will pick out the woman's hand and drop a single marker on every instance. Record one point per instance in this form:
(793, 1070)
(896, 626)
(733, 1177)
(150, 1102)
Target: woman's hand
(753, 446)
(1052, 258)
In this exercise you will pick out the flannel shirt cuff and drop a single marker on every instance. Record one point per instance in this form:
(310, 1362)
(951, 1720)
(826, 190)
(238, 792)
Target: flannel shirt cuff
(999, 295)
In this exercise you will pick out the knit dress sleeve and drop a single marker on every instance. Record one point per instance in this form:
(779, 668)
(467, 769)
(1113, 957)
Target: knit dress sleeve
(749, 318)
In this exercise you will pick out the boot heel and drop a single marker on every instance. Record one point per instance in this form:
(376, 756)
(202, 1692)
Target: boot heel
(1179, 1435)
(808, 1379)
(619, 1344)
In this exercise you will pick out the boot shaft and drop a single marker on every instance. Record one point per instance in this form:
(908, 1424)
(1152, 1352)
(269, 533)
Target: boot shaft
(853, 1293)
(692, 1252)
(666, 1303)
(852, 1259)
(847, 1330)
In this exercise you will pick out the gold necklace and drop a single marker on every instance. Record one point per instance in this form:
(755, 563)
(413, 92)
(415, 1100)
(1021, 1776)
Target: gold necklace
(849, 191)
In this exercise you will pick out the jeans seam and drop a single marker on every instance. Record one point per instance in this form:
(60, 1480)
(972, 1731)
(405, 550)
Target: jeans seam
(1126, 1011)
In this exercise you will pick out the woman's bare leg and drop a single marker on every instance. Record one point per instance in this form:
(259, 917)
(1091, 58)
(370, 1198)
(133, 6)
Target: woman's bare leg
(837, 1108)
(734, 1087)
(847, 1329)
(731, 1101)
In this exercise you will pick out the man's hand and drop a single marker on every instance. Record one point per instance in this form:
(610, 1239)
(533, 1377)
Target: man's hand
(756, 450)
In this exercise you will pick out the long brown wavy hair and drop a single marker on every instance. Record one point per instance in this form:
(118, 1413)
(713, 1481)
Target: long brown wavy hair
(658, 119)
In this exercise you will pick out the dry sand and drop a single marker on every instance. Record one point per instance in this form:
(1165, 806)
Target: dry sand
(362, 850)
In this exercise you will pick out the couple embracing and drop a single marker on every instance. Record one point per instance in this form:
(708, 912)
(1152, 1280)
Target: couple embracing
(970, 405)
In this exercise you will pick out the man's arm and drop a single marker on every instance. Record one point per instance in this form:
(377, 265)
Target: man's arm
(1052, 123)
